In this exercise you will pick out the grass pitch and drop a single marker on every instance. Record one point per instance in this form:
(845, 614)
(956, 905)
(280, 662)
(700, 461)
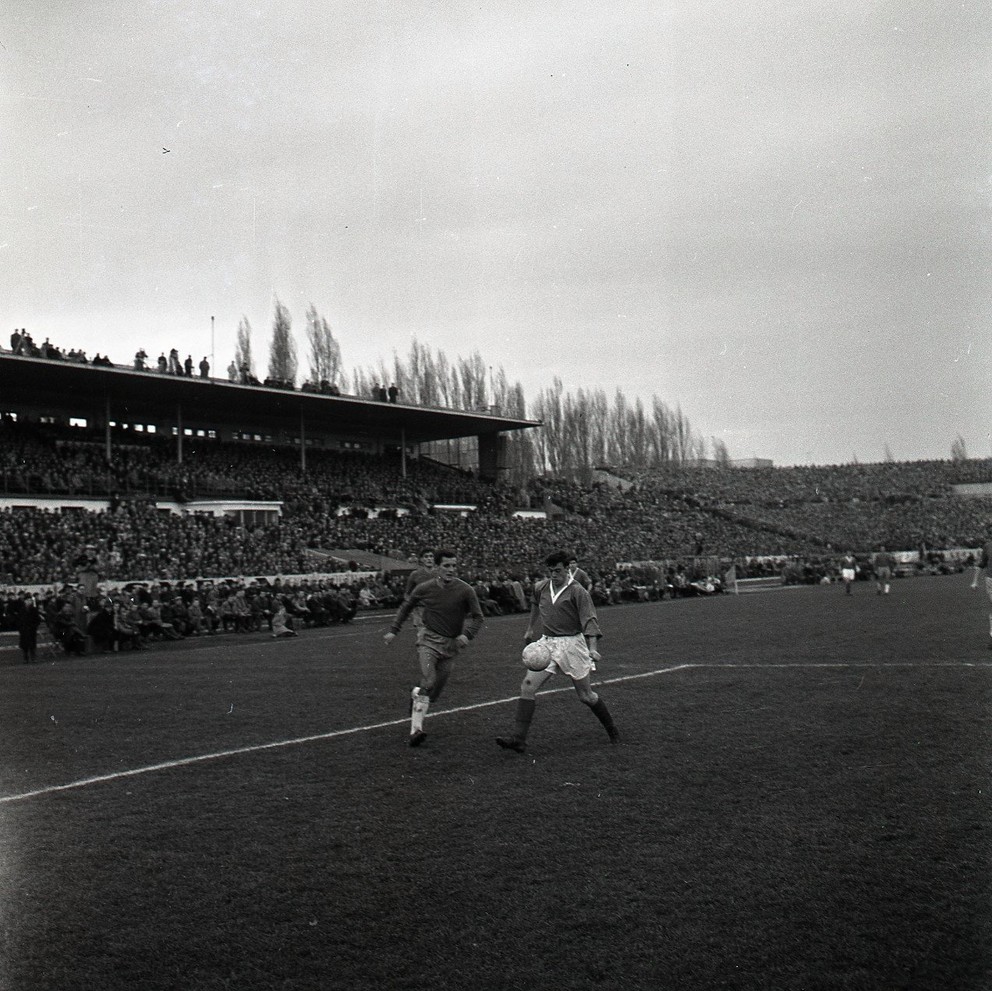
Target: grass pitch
(801, 800)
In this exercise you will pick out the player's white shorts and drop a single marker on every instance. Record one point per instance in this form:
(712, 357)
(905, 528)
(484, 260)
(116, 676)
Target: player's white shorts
(847, 574)
(988, 588)
(570, 655)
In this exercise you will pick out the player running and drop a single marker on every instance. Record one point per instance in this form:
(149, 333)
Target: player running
(570, 629)
(450, 618)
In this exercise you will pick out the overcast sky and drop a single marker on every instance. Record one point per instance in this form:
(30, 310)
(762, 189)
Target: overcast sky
(774, 215)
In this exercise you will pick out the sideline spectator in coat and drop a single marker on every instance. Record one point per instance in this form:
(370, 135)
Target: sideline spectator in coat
(28, 621)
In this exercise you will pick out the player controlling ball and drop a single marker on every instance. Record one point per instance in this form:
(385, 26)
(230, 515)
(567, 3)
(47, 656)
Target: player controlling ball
(567, 643)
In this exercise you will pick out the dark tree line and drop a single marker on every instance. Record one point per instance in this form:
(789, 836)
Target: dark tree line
(582, 430)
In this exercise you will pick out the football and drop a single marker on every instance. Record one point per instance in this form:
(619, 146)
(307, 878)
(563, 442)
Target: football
(536, 656)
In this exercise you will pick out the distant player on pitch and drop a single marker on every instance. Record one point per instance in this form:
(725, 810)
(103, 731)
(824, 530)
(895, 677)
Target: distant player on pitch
(987, 565)
(848, 571)
(566, 640)
(578, 574)
(450, 618)
(885, 566)
(424, 572)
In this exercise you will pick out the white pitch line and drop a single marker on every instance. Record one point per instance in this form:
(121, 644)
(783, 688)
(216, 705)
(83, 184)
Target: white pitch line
(333, 734)
(297, 741)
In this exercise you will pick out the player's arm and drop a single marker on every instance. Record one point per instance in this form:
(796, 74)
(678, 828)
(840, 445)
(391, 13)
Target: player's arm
(406, 607)
(534, 623)
(589, 621)
(475, 618)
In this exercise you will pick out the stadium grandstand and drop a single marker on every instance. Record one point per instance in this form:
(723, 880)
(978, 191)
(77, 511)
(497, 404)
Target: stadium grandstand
(176, 482)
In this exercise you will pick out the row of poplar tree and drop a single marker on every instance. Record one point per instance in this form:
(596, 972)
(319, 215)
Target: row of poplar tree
(582, 430)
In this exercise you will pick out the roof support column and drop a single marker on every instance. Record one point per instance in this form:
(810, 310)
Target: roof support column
(303, 442)
(106, 426)
(179, 433)
(403, 452)
(492, 456)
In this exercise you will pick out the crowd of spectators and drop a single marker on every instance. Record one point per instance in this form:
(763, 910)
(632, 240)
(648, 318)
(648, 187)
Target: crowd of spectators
(905, 505)
(22, 343)
(56, 460)
(793, 523)
(771, 487)
(133, 616)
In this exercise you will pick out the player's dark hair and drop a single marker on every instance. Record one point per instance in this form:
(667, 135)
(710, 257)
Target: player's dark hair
(443, 552)
(557, 557)
(426, 550)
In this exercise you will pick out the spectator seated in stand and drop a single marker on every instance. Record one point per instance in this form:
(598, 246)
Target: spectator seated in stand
(152, 624)
(126, 632)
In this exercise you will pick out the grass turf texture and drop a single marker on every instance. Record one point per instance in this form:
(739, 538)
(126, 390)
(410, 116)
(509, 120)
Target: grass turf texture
(800, 801)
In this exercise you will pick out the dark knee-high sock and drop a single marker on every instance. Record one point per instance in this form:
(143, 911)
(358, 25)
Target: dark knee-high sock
(602, 713)
(525, 713)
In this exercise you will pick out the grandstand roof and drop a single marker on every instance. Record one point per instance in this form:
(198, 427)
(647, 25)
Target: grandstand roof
(73, 389)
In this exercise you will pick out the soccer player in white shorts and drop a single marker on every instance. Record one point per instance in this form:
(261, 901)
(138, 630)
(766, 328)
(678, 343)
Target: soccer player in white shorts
(570, 629)
(848, 571)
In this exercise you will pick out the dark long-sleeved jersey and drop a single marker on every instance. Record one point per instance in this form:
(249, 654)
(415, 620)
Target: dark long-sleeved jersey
(449, 609)
(417, 577)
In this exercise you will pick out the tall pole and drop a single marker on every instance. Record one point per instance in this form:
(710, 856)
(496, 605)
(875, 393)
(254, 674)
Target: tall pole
(303, 442)
(212, 346)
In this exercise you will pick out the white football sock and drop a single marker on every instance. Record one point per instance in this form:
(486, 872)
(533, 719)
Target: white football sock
(420, 705)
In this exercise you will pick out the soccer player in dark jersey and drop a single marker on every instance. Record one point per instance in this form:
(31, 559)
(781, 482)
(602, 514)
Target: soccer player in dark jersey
(451, 617)
(424, 572)
(570, 629)
(885, 565)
